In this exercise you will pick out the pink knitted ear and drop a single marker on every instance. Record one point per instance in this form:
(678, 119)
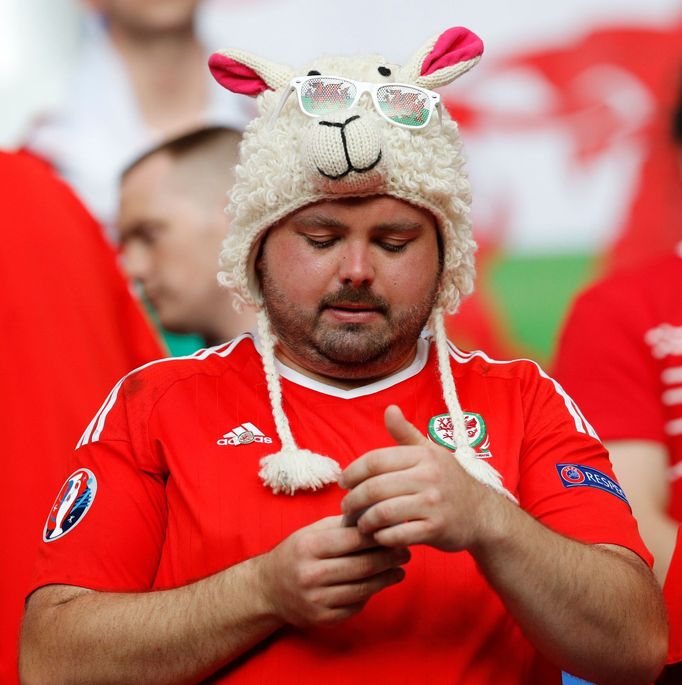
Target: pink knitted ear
(452, 47)
(236, 76)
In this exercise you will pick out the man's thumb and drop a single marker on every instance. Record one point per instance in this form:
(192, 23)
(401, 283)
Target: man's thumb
(401, 430)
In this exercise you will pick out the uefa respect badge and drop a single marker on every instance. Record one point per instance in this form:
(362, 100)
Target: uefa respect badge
(580, 476)
(71, 504)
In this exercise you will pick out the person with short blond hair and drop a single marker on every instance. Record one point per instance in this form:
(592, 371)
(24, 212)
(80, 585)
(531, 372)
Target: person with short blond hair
(171, 224)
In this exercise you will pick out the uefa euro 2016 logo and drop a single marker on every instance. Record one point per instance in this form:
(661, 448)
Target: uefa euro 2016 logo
(72, 502)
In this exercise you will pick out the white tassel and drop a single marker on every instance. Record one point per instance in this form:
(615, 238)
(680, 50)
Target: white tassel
(295, 469)
(482, 471)
(291, 468)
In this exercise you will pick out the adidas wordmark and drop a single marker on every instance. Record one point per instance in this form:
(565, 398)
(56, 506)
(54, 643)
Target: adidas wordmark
(244, 435)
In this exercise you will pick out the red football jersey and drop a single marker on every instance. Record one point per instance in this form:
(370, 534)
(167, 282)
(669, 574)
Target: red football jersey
(620, 357)
(70, 328)
(171, 463)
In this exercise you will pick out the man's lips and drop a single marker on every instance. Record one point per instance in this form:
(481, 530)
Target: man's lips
(353, 312)
(353, 305)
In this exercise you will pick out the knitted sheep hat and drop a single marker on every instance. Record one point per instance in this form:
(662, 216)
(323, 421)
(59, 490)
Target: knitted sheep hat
(289, 160)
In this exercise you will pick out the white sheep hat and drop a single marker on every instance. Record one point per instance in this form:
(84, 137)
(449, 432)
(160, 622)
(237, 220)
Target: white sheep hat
(288, 160)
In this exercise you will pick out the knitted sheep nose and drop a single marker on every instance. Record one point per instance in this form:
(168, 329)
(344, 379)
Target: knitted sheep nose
(345, 149)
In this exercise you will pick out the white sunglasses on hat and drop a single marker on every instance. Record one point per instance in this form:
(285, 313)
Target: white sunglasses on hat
(401, 104)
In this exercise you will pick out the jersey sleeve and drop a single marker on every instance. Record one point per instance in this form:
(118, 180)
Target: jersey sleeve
(107, 525)
(604, 363)
(566, 479)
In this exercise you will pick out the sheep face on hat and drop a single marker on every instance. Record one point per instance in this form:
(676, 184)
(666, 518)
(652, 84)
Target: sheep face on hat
(292, 160)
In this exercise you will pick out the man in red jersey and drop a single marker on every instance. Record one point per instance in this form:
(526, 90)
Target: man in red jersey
(627, 375)
(70, 328)
(429, 515)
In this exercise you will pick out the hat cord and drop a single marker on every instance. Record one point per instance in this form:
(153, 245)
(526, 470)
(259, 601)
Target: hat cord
(476, 467)
(291, 468)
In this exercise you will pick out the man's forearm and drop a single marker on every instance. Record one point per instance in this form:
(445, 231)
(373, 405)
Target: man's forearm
(322, 573)
(585, 607)
(659, 533)
(642, 470)
(175, 636)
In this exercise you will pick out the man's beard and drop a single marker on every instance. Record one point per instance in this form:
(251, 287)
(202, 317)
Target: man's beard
(351, 350)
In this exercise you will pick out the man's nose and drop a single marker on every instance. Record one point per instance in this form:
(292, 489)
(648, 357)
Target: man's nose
(135, 262)
(357, 266)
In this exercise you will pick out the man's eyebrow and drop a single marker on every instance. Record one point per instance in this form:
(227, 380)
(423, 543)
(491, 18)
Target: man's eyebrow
(136, 228)
(399, 226)
(319, 220)
(326, 221)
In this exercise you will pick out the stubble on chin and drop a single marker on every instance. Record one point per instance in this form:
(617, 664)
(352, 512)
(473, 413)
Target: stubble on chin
(345, 350)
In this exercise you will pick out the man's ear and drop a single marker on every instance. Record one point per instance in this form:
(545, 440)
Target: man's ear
(258, 261)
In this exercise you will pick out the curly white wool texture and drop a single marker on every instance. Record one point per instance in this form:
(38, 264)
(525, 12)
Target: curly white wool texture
(279, 172)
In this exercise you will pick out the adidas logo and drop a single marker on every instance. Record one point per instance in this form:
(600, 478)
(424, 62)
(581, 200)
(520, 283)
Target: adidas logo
(243, 435)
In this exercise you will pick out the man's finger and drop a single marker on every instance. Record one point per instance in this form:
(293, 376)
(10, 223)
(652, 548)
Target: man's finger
(337, 539)
(401, 430)
(327, 522)
(375, 463)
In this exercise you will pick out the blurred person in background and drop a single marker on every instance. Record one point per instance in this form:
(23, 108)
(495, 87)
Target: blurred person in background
(141, 77)
(171, 225)
(70, 328)
(620, 358)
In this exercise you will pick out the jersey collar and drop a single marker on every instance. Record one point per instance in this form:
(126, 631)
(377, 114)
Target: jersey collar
(298, 378)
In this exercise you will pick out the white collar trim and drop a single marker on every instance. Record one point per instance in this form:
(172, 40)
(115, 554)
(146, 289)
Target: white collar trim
(418, 363)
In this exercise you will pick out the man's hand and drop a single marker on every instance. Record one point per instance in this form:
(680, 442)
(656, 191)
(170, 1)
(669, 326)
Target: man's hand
(414, 493)
(326, 572)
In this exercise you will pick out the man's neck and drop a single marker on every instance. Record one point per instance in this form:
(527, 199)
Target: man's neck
(153, 46)
(165, 71)
(226, 323)
(343, 376)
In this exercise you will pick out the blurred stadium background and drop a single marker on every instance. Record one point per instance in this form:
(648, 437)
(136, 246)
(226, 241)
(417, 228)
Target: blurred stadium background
(565, 122)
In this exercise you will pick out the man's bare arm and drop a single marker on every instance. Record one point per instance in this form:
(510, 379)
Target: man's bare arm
(320, 574)
(596, 612)
(641, 467)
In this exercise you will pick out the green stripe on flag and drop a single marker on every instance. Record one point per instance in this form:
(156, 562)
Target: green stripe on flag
(534, 292)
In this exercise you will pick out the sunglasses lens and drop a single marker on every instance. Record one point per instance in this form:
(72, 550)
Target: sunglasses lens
(404, 105)
(321, 95)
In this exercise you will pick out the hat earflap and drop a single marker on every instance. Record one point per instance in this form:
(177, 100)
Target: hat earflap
(291, 468)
